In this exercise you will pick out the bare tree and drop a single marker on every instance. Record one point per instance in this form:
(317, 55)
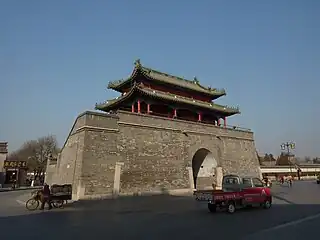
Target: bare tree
(36, 153)
(307, 159)
(316, 160)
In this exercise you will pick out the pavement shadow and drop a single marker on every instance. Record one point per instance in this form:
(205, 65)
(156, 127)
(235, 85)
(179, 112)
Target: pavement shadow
(152, 217)
(279, 197)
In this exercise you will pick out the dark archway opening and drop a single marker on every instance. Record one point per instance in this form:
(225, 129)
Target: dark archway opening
(203, 167)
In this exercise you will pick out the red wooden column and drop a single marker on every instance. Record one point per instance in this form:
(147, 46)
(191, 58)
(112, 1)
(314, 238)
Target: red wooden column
(225, 122)
(174, 113)
(132, 107)
(148, 108)
(199, 117)
(139, 107)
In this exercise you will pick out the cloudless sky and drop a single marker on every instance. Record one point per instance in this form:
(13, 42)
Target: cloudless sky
(56, 58)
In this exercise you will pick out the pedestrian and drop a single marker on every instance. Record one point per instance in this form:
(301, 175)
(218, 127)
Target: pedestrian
(282, 180)
(46, 197)
(290, 181)
(299, 174)
(13, 184)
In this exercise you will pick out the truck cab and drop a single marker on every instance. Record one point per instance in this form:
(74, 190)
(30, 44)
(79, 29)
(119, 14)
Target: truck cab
(231, 183)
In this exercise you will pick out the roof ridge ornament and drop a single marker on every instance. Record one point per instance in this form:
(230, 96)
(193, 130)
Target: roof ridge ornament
(137, 63)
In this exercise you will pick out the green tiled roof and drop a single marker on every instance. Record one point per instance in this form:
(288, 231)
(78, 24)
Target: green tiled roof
(167, 78)
(108, 105)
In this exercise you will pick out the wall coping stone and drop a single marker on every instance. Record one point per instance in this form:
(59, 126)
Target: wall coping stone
(102, 114)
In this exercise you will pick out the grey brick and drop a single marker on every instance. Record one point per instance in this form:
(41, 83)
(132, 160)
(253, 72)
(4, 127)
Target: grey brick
(155, 152)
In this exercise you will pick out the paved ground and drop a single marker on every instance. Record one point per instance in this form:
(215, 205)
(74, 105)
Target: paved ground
(9, 189)
(294, 215)
(9, 206)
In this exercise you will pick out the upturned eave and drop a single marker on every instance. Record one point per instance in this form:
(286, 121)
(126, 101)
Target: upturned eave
(113, 103)
(157, 76)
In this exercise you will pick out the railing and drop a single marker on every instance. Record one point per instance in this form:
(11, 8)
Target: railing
(288, 166)
(236, 128)
(203, 122)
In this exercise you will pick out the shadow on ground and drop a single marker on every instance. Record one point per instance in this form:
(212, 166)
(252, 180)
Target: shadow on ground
(156, 217)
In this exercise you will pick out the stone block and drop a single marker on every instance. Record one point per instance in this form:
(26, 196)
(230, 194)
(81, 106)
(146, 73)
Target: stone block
(158, 154)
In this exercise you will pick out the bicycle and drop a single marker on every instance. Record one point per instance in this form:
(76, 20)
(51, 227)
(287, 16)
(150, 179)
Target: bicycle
(35, 200)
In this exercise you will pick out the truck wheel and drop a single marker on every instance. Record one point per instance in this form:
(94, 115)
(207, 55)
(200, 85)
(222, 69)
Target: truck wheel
(57, 203)
(231, 207)
(267, 204)
(212, 207)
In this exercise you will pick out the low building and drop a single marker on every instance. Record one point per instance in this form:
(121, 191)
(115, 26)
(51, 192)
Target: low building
(307, 171)
(3, 158)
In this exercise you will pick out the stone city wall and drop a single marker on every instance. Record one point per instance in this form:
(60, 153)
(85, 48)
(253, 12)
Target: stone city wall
(155, 153)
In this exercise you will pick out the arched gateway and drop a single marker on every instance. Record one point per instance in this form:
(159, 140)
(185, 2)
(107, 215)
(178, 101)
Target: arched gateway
(203, 167)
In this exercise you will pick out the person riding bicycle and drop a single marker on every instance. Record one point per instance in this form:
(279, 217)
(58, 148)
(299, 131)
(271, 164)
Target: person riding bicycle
(46, 197)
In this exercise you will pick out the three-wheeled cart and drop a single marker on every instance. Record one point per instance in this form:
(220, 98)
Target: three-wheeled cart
(60, 194)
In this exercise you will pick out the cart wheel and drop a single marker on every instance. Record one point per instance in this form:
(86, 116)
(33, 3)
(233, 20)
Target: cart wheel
(231, 207)
(57, 203)
(32, 204)
(267, 204)
(212, 207)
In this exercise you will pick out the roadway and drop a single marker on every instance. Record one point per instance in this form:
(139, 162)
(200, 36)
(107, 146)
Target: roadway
(294, 215)
(11, 202)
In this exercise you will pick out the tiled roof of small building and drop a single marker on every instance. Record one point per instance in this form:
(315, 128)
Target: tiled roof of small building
(3, 147)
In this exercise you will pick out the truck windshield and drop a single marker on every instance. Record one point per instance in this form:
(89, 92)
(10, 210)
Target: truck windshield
(246, 182)
(257, 182)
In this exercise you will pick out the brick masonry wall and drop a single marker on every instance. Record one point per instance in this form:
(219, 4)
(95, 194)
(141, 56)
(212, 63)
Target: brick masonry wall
(68, 167)
(3, 157)
(160, 147)
(71, 160)
(50, 172)
(100, 156)
(155, 152)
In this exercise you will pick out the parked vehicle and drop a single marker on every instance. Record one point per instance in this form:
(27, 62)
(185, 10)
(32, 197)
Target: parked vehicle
(318, 179)
(237, 193)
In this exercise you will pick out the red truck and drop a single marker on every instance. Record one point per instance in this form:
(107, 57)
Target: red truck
(237, 193)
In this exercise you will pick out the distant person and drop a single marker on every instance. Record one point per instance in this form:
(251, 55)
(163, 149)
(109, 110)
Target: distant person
(290, 178)
(299, 174)
(282, 179)
(46, 197)
(13, 185)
